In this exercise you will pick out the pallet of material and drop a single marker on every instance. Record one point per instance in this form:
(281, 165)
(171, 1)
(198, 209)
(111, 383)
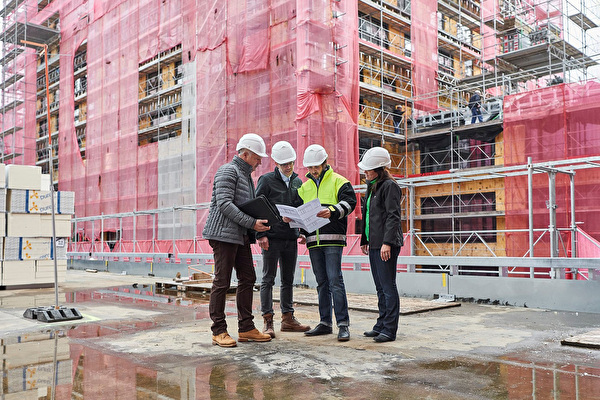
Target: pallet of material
(24, 248)
(23, 177)
(197, 282)
(37, 225)
(38, 202)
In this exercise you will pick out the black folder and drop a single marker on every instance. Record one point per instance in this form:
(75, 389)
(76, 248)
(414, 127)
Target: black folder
(261, 208)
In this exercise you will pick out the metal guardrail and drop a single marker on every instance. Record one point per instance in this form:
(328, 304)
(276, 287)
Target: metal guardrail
(108, 256)
(558, 264)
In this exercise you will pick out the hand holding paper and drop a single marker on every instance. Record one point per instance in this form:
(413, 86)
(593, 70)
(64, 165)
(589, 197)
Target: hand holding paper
(305, 216)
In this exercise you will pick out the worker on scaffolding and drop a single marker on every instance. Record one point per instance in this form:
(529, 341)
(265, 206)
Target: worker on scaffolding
(325, 244)
(279, 244)
(381, 239)
(229, 232)
(398, 117)
(475, 107)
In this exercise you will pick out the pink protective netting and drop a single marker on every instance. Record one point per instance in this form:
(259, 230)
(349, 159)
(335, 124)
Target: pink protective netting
(424, 35)
(287, 70)
(550, 124)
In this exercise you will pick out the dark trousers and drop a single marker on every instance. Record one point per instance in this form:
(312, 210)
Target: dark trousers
(388, 301)
(227, 257)
(284, 252)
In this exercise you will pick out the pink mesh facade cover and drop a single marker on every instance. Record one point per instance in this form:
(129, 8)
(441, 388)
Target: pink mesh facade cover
(287, 70)
(424, 35)
(554, 123)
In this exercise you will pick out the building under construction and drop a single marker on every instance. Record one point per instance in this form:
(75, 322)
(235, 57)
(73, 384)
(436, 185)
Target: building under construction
(134, 106)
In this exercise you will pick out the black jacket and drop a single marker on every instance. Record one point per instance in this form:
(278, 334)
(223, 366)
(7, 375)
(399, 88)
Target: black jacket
(274, 188)
(475, 102)
(384, 215)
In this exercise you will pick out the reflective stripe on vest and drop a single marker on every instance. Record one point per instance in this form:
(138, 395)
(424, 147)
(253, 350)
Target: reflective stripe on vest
(327, 237)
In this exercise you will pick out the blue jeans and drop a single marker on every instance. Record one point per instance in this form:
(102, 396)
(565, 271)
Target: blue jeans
(388, 301)
(284, 252)
(475, 115)
(327, 266)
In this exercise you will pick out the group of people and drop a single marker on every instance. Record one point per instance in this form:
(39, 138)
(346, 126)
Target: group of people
(230, 233)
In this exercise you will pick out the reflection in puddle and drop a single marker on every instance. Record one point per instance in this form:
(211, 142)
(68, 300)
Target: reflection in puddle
(72, 364)
(36, 364)
(140, 294)
(58, 365)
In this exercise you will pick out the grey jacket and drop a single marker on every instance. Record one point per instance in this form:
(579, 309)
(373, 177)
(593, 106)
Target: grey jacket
(232, 185)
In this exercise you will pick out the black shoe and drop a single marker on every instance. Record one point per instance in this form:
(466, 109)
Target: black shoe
(381, 338)
(344, 334)
(371, 333)
(320, 329)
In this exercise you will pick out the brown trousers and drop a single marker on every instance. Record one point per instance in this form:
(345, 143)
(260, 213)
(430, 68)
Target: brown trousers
(227, 257)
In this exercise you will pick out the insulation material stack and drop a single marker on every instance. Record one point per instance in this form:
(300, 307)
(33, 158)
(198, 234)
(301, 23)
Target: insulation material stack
(30, 364)
(28, 253)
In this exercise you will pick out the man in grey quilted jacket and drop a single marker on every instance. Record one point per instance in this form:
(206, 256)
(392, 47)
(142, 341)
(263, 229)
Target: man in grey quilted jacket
(229, 232)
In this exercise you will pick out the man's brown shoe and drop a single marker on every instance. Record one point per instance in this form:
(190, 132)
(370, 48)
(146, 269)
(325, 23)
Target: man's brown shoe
(223, 340)
(289, 323)
(269, 325)
(253, 336)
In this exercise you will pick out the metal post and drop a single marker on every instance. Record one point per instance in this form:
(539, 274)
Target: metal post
(153, 232)
(102, 231)
(573, 222)
(51, 172)
(552, 208)
(411, 216)
(134, 231)
(120, 234)
(530, 201)
(76, 236)
(173, 234)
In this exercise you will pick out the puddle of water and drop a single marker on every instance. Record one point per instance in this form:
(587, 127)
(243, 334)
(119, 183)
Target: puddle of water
(65, 364)
(72, 363)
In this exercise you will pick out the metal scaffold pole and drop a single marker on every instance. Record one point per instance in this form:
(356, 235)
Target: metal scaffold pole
(53, 313)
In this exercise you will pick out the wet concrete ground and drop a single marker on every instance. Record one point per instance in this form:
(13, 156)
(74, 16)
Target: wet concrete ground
(135, 343)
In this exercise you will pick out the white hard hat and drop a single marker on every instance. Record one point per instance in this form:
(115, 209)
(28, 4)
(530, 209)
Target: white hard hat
(375, 157)
(282, 152)
(254, 143)
(314, 155)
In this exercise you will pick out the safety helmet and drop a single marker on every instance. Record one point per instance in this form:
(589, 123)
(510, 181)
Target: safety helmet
(282, 152)
(314, 155)
(254, 143)
(375, 157)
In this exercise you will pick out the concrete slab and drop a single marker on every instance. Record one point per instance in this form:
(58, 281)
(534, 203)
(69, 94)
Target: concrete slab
(135, 341)
(590, 340)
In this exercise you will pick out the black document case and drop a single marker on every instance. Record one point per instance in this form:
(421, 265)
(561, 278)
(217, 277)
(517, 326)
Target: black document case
(261, 208)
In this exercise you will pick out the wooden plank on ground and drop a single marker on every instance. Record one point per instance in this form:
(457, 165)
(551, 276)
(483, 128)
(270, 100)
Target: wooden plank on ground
(190, 286)
(368, 302)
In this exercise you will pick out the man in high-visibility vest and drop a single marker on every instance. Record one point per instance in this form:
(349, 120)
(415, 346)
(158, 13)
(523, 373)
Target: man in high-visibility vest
(325, 244)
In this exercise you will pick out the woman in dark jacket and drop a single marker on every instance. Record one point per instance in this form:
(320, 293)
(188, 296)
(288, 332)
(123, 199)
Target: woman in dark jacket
(382, 239)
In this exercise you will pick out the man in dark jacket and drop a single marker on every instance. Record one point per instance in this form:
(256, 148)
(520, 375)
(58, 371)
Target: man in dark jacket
(229, 232)
(475, 106)
(325, 244)
(279, 244)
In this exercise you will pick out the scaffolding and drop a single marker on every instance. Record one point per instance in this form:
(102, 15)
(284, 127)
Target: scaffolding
(147, 99)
